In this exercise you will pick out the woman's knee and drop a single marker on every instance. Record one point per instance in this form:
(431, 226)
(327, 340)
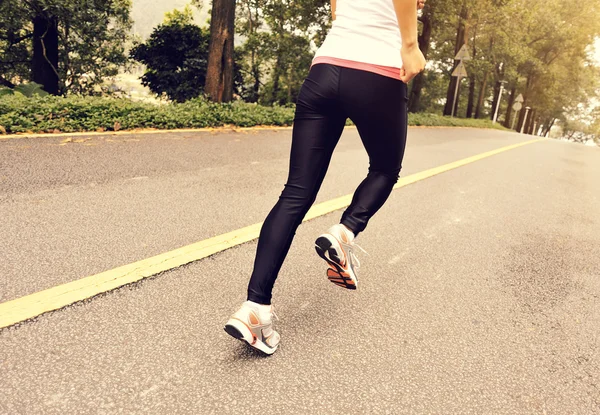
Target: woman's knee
(391, 175)
(297, 198)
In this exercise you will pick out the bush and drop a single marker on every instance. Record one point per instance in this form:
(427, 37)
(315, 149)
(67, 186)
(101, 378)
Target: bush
(51, 114)
(176, 57)
(19, 114)
(434, 120)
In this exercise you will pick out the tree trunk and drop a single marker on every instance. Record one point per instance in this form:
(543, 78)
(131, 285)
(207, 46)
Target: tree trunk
(495, 98)
(521, 115)
(483, 89)
(289, 82)
(524, 122)
(461, 38)
(276, 78)
(219, 73)
(548, 127)
(499, 73)
(481, 96)
(511, 101)
(253, 63)
(424, 40)
(530, 121)
(415, 93)
(471, 97)
(44, 62)
(6, 83)
(278, 69)
(256, 86)
(540, 127)
(472, 81)
(528, 87)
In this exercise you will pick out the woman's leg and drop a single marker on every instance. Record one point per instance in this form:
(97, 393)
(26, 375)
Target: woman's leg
(318, 125)
(378, 106)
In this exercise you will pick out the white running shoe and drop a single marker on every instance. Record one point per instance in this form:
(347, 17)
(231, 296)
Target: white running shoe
(253, 324)
(336, 246)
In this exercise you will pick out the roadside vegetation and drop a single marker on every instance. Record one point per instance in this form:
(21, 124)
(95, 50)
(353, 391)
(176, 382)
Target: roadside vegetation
(50, 114)
(532, 63)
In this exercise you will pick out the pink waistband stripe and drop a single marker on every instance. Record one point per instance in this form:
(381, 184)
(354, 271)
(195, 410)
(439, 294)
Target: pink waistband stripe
(388, 71)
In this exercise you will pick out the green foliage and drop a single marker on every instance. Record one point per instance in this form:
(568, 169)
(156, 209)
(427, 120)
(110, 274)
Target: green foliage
(96, 34)
(181, 18)
(49, 114)
(435, 120)
(540, 50)
(176, 57)
(582, 125)
(30, 89)
(92, 38)
(15, 41)
(433, 92)
(27, 90)
(19, 114)
(278, 51)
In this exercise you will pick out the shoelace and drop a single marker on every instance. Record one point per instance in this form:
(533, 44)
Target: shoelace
(273, 313)
(354, 257)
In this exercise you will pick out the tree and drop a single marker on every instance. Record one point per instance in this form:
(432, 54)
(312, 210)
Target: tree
(253, 56)
(555, 45)
(176, 57)
(280, 40)
(219, 75)
(68, 46)
(427, 20)
(15, 44)
(461, 39)
(44, 62)
(538, 51)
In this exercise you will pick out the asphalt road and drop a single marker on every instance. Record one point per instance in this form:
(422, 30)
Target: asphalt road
(93, 204)
(480, 293)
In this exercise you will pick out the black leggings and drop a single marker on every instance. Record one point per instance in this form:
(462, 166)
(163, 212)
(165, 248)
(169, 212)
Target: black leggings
(330, 94)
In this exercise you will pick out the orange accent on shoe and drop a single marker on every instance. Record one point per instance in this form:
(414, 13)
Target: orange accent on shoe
(341, 279)
(332, 272)
(254, 319)
(344, 237)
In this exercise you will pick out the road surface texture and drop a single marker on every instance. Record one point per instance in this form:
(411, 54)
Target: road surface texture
(480, 293)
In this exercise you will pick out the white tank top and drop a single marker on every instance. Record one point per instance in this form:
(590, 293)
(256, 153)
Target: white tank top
(364, 31)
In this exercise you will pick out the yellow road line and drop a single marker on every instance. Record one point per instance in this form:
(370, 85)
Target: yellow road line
(30, 306)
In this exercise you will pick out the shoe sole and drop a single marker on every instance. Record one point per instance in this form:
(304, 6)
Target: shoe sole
(335, 273)
(237, 330)
(233, 332)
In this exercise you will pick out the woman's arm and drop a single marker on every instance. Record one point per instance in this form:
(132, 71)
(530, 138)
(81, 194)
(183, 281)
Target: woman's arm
(413, 61)
(406, 12)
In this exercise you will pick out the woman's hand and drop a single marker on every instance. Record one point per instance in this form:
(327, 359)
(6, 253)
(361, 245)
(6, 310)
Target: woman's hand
(413, 62)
